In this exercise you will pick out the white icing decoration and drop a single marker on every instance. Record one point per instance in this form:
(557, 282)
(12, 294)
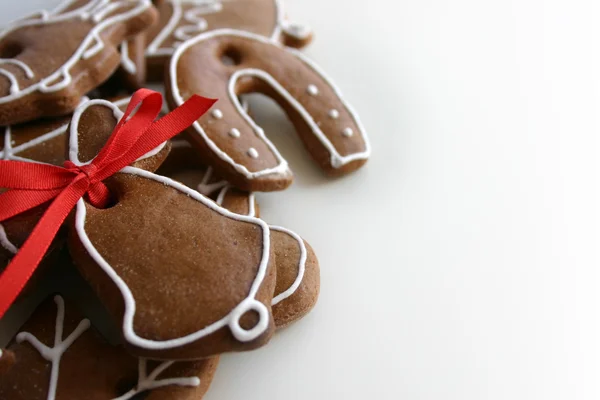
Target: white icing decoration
(10, 153)
(252, 152)
(103, 11)
(347, 132)
(1, 353)
(216, 113)
(154, 49)
(194, 17)
(234, 133)
(126, 61)
(95, 10)
(6, 243)
(244, 103)
(14, 84)
(336, 160)
(118, 114)
(297, 31)
(54, 354)
(150, 382)
(28, 72)
(301, 266)
(303, 251)
(312, 90)
(333, 114)
(231, 320)
(185, 32)
(207, 188)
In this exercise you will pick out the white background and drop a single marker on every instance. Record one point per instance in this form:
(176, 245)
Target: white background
(462, 262)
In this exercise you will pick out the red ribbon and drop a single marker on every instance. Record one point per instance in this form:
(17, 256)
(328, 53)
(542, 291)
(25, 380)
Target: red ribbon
(33, 184)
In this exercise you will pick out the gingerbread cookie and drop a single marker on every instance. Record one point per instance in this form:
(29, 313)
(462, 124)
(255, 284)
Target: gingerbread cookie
(7, 359)
(181, 20)
(148, 256)
(60, 356)
(132, 72)
(41, 141)
(50, 60)
(227, 137)
(298, 278)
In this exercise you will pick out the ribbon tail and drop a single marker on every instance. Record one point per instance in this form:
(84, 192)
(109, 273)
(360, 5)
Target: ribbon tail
(24, 264)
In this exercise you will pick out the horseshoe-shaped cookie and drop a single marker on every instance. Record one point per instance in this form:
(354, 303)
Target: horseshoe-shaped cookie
(298, 279)
(181, 20)
(50, 60)
(183, 277)
(229, 140)
(60, 356)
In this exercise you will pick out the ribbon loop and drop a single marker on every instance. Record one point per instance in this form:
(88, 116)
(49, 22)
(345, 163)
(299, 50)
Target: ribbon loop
(31, 185)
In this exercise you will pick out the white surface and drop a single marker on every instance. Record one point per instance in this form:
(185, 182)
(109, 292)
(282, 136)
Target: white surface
(462, 262)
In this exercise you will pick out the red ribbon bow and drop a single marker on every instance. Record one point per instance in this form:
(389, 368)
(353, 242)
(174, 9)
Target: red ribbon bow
(34, 184)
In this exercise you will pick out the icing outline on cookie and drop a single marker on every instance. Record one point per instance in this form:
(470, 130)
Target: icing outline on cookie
(117, 113)
(231, 320)
(149, 382)
(6, 243)
(126, 61)
(54, 354)
(154, 49)
(336, 160)
(95, 10)
(207, 188)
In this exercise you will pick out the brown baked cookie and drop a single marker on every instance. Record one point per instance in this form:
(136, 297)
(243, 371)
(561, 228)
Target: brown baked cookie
(298, 278)
(132, 71)
(7, 359)
(60, 356)
(41, 141)
(181, 20)
(227, 137)
(179, 288)
(38, 141)
(50, 60)
(45, 141)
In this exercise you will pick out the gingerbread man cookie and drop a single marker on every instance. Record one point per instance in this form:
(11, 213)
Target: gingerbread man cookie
(298, 279)
(60, 356)
(50, 60)
(183, 278)
(181, 20)
(227, 137)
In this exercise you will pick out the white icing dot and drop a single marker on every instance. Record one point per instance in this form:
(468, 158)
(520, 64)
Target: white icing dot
(312, 90)
(252, 152)
(234, 133)
(333, 113)
(297, 31)
(216, 113)
(347, 132)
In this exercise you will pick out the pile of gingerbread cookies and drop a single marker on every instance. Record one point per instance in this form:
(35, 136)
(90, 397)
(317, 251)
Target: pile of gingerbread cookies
(185, 268)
